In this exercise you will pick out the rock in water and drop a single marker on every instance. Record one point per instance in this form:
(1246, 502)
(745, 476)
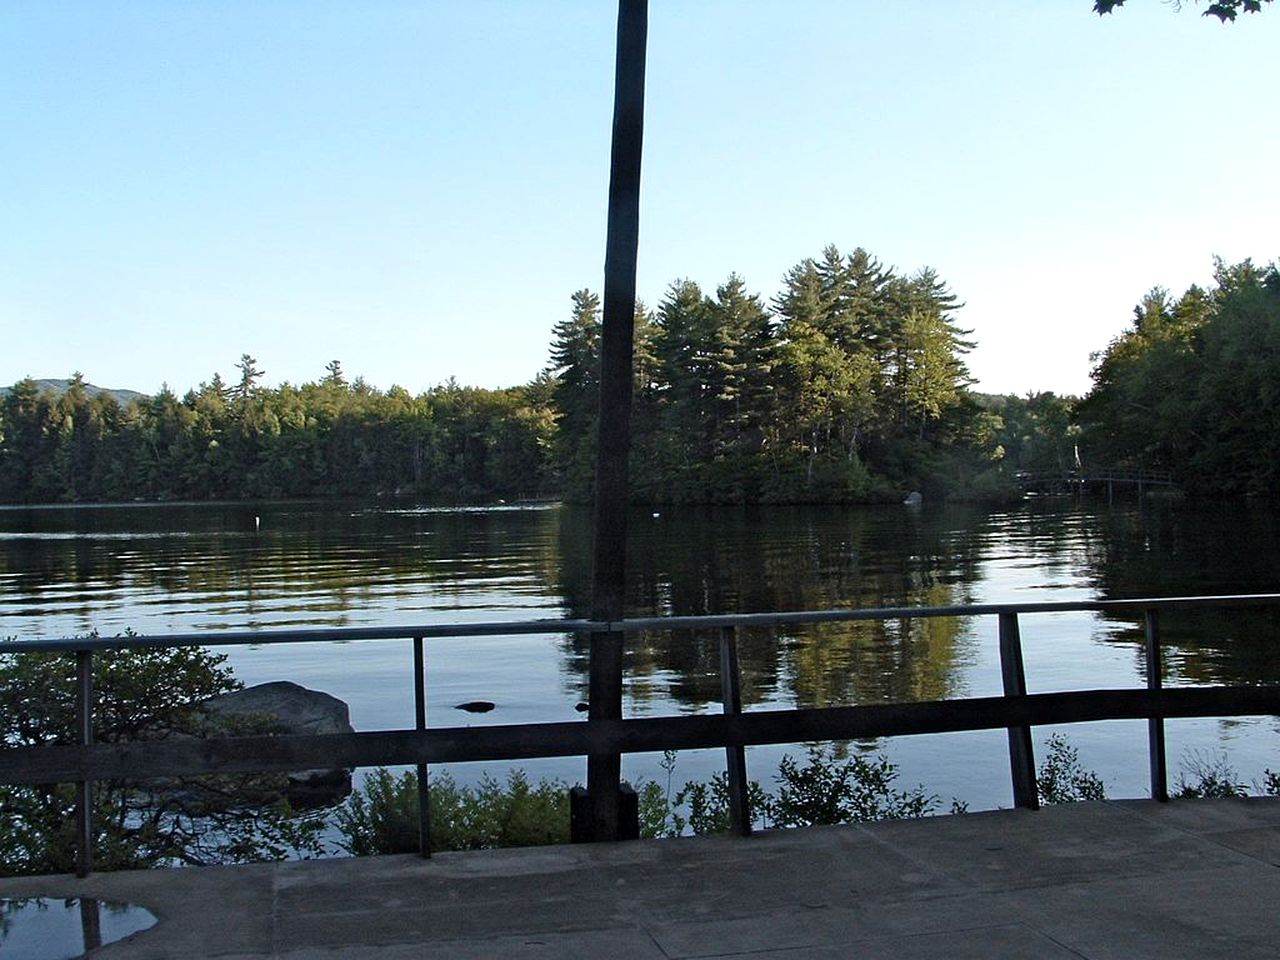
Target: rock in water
(292, 708)
(286, 709)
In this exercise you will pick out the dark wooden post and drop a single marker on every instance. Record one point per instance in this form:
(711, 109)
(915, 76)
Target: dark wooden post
(84, 788)
(735, 755)
(613, 438)
(420, 723)
(1022, 759)
(1155, 725)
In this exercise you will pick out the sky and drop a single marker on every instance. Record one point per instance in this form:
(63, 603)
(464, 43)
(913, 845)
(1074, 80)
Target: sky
(417, 188)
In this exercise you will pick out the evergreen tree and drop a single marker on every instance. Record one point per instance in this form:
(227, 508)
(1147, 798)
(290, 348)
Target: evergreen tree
(575, 366)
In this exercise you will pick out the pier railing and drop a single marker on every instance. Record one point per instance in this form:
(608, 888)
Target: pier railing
(1015, 710)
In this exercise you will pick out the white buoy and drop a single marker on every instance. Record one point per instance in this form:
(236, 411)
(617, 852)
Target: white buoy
(257, 522)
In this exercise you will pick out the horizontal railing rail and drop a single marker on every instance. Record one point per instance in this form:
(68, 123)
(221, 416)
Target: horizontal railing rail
(494, 628)
(1016, 710)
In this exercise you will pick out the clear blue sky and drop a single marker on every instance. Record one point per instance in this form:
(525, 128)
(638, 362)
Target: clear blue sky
(416, 188)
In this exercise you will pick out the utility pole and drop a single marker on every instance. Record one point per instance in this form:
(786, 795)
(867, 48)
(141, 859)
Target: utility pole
(601, 807)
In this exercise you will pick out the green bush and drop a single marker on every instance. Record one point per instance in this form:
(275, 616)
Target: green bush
(382, 817)
(824, 790)
(707, 804)
(859, 789)
(1211, 778)
(1062, 779)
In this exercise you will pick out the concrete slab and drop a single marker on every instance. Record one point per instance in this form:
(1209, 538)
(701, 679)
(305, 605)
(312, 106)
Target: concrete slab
(1202, 914)
(1011, 848)
(205, 912)
(1194, 879)
(1250, 825)
(1012, 942)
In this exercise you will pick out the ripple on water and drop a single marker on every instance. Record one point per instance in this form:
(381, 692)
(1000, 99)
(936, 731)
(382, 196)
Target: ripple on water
(49, 928)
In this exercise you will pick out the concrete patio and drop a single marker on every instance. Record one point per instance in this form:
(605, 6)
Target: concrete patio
(1128, 879)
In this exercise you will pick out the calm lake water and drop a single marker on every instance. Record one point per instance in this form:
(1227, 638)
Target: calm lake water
(179, 568)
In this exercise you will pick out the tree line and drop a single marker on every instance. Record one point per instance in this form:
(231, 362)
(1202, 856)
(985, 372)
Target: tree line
(847, 385)
(243, 440)
(1193, 385)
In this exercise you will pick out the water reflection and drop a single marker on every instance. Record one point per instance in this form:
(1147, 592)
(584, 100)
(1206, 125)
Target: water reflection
(176, 568)
(43, 928)
(188, 567)
(732, 561)
(1203, 549)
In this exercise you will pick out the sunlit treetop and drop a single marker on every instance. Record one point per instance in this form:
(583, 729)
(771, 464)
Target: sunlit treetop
(1224, 10)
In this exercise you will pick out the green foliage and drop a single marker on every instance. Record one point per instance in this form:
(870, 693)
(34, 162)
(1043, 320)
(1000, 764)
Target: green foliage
(1035, 433)
(1271, 783)
(382, 817)
(702, 807)
(138, 694)
(1191, 387)
(848, 387)
(827, 789)
(1211, 777)
(247, 441)
(840, 393)
(1061, 777)
(1224, 10)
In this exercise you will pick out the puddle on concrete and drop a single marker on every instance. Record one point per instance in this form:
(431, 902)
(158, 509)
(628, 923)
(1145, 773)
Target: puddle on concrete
(49, 928)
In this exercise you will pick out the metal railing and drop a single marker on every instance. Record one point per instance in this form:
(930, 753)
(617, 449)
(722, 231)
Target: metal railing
(734, 730)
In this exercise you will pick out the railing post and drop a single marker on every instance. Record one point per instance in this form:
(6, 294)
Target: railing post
(84, 788)
(1155, 724)
(420, 724)
(613, 424)
(1022, 759)
(735, 755)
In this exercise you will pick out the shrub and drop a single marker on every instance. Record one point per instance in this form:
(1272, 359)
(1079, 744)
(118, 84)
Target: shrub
(382, 816)
(824, 790)
(708, 806)
(1212, 778)
(827, 790)
(1062, 779)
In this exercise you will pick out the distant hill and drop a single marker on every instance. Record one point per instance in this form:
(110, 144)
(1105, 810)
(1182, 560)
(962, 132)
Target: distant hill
(122, 397)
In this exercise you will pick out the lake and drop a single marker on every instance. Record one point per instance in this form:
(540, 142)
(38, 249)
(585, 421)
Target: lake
(195, 567)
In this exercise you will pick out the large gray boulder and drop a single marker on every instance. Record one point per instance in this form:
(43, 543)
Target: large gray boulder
(288, 709)
(291, 708)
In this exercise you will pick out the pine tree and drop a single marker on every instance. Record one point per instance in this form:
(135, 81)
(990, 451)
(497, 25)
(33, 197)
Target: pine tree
(575, 365)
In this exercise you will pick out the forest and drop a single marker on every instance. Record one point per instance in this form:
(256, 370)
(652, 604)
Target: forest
(1193, 385)
(848, 385)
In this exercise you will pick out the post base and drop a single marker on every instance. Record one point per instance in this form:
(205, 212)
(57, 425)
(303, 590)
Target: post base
(582, 820)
